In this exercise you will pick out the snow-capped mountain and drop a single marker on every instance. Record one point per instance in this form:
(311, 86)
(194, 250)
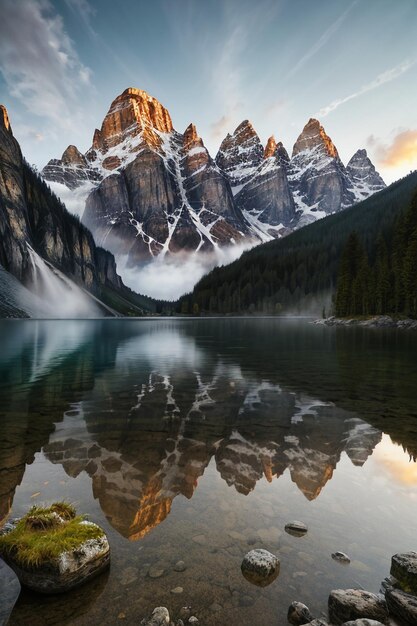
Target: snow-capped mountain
(150, 191)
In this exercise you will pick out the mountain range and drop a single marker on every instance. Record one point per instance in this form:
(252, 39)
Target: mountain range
(147, 190)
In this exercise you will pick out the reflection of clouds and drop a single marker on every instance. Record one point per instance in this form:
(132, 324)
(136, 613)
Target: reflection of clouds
(398, 465)
(164, 349)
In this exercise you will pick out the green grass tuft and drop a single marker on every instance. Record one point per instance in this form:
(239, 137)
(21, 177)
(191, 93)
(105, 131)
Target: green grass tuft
(46, 532)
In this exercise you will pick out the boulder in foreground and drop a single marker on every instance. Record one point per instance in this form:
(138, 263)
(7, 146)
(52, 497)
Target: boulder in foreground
(260, 567)
(52, 550)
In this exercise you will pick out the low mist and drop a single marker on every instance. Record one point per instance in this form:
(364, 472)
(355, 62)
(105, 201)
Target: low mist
(170, 278)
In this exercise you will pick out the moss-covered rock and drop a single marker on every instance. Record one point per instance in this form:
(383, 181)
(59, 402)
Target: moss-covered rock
(52, 550)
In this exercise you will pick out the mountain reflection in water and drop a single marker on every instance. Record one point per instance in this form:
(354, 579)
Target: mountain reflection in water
(153, 402)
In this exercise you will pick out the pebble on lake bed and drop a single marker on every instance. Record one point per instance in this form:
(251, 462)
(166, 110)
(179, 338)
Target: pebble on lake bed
(296, 528)
(260, 567)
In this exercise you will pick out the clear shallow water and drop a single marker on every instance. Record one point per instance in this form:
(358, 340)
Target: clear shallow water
(197, 440)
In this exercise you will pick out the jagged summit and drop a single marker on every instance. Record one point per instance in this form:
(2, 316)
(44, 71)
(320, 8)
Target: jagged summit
(73, 156)
(240, 154)
(313, 136)
(363, 175)
(271, 146)
(4, 118)
(131, 113)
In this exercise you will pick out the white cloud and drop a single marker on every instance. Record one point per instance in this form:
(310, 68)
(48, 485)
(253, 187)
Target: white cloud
(381, 79)
(39, 62)
(321, 42)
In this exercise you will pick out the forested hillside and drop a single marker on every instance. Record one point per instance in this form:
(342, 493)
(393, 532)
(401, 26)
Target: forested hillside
(383, 282)
(299, 273)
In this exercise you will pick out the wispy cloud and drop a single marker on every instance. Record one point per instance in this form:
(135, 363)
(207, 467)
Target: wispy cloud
(219, 128)
(39, 62)
(401, 151)
(85, 12)
(321, 42)
(381, 79)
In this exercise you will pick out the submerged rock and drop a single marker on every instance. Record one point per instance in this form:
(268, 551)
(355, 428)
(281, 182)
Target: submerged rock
(260, 567)
(402, 605)
(159, 617)
(296, 528)
(298, 614)
(341, 557)
(404, 569)
(353, 604)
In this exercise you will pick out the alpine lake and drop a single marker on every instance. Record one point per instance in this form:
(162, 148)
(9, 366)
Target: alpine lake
(197, 440)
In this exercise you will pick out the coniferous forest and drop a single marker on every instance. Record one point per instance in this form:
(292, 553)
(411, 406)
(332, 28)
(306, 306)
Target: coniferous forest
(385, 281)
(366, 253)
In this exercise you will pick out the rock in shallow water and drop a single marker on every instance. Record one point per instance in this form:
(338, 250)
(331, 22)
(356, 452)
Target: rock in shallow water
(69, 570)
(298, 614)
(159, 617)
(402, 605)
(341, 557)
(296, 528)
(260, 567)
(352, 604)
(404, 569)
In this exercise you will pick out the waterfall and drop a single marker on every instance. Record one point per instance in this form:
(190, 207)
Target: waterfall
(60, 296)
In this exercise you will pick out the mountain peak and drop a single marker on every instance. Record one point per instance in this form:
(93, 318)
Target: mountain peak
(4, 118)
(271, 146)
(191, 138)
(313, 136)
(363, 175)
(134, 111)
(72, 156)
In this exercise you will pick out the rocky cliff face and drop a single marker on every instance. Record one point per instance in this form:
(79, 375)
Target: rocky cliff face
(34, 221)
(266, 200)
(154, 191)
(240, 154)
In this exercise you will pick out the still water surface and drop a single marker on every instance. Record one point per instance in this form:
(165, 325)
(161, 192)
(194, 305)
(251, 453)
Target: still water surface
(198, 440)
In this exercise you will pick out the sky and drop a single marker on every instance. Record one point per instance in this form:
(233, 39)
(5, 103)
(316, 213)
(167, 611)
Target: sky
(351, 64)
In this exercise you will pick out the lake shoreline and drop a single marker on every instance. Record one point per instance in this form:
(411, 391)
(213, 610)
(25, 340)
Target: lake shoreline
(376, 321)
